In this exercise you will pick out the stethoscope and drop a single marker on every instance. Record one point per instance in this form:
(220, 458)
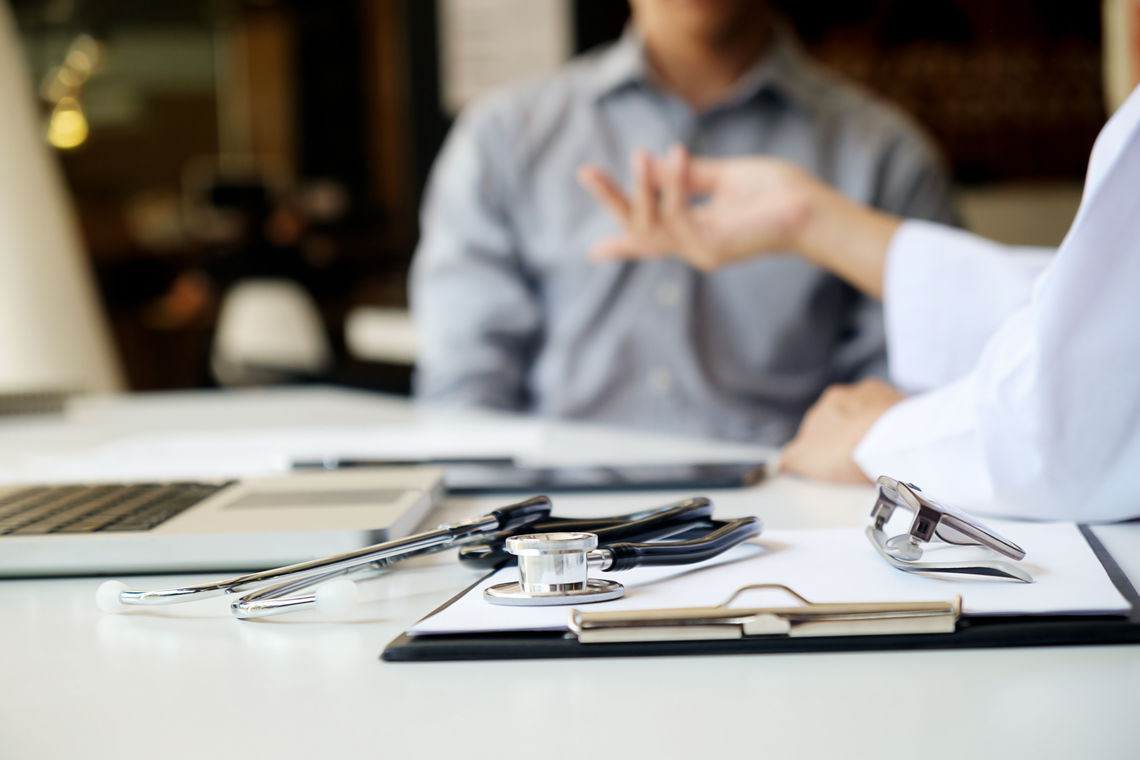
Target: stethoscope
(554, 566)
(553, 559)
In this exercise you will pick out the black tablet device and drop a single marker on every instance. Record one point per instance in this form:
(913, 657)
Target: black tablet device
(503, 475)
(508, 478)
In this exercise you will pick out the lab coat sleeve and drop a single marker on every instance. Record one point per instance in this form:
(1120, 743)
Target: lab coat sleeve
(1047, 424)
(945, 293)
(477, 312)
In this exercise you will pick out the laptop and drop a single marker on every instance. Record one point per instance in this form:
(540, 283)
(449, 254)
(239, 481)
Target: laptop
(246, 524)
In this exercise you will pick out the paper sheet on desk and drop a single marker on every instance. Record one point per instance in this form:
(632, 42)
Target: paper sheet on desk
(242, 453)
(823, 566)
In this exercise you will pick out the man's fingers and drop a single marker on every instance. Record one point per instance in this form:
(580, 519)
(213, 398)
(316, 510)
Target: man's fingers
(675, 211)
(678, 214)
(671, 176)
(602, 186)
(644, 215)
(703, 174)
(620, 248)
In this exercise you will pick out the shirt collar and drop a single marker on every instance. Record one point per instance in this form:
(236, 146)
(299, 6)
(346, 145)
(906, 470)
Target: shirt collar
(783, 69)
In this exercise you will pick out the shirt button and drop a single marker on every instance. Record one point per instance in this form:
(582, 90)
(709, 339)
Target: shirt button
(669, 294)
(661, 380)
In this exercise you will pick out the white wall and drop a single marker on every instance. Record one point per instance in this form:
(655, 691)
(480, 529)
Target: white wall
(1021, 214)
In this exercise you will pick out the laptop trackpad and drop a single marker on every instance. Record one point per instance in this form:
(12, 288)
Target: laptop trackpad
(371, 497)
(369, 500)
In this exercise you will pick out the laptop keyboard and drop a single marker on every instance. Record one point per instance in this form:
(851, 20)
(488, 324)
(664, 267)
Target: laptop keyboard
(39, 510)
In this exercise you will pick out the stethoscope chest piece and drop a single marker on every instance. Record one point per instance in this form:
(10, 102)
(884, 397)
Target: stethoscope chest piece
(553, 569)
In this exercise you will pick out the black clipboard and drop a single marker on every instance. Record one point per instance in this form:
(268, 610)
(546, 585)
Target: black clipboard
(972, 632)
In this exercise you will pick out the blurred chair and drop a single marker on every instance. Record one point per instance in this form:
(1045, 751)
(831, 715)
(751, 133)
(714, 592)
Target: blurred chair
(53, 334)
(269, 331)
(375, 334)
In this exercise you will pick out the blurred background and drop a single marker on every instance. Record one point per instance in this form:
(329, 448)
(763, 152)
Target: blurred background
(246, 174)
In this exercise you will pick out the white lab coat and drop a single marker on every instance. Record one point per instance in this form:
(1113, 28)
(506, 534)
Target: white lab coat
(1025, 364)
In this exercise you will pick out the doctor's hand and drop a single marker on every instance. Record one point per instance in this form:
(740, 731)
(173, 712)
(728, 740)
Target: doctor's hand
(824, 447)
(752, 206)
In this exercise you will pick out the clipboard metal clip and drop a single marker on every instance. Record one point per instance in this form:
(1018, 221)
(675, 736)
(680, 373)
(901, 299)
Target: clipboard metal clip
(801, 618)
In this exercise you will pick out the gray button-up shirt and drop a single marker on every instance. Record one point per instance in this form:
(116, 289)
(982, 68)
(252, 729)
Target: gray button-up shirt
(512, 315)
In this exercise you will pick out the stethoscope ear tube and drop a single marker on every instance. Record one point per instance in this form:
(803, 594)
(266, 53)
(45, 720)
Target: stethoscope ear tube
(274, 590)
(666, 522)
(629, 555)
(523, 514)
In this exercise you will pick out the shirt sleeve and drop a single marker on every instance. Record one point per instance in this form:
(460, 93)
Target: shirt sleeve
(1047, 422)
(476, 311)
(945, 293)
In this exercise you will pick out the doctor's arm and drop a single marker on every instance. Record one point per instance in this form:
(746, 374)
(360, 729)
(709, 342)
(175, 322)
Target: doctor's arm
(1047, 424)
(477, 316)
(910, 182)
(946, 292)
(948, 289)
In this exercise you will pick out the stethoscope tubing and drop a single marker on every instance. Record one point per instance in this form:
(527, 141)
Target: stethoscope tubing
(627, 555)
(644, 525)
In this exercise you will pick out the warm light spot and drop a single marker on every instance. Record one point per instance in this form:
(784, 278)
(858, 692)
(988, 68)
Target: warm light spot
(84, 56)
(67, 127)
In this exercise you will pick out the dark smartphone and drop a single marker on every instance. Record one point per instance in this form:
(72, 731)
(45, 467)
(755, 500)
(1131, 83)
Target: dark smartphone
(505, 478)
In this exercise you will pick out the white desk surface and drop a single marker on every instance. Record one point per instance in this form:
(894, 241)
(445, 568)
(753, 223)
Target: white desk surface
(190, 682)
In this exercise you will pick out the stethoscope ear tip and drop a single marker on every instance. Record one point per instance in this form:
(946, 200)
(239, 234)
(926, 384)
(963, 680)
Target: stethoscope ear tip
(109, 597)
(337, 597)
